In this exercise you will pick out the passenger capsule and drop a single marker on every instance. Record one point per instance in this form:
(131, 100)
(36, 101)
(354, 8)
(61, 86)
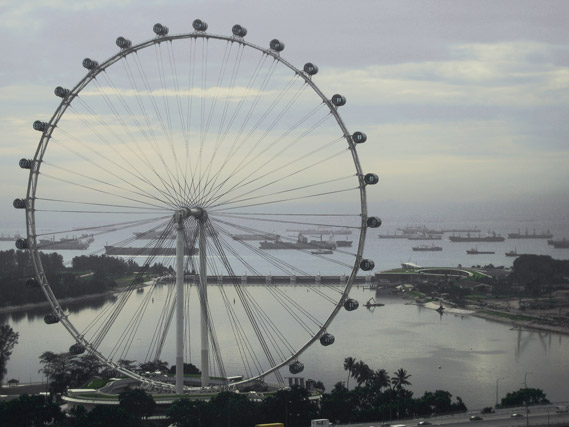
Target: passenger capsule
(90, 64)
(22, 244)
(61, 92)
(25, 163)
(351, 304)
(76, 349)
(123, 43)
(160, 30)
(296, 367)
(40, 126)
(32, 283)
(373, 222)
(367, 264)
(239, 31)
(19, 203)
(310, 68)
(371, 179)
(277, 45)
(338, 100)
(359, 137)
(199, 25)
(327, 339)
(50, 319)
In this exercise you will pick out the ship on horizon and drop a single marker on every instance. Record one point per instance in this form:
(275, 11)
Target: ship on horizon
(427, 248)
(80, 243)
(519, 235)
(301, 243)
(147, 251)
(492, 237)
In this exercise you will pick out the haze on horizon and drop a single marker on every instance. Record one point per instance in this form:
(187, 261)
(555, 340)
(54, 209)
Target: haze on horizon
(465, 104)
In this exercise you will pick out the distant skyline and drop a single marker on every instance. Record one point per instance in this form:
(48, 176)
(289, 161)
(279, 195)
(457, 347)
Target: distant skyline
(465, 104)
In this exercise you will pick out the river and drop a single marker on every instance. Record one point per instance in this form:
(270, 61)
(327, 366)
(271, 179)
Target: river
(466, 355)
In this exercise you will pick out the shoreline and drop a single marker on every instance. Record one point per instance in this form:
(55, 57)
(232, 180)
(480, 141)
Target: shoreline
(536, 324)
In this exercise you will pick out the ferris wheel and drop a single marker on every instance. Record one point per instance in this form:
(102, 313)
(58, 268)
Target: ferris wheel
(229, 179)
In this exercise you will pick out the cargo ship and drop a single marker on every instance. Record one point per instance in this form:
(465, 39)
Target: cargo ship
(560, 244)
(475, 251)
(301, 243)
(146, 251)
(321, 231)
(344, 243)
(76, 243)
(463, 230)
(8, 238)
(493, 237)
(519, 235)
(515, 253)
(424, 248)
(264, 236)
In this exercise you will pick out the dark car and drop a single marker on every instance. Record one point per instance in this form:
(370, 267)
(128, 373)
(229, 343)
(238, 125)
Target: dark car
(476, 418)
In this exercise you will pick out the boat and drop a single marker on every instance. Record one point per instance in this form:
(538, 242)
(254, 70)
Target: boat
(159, 234)
(519, 235)
(475, 251)
(372, 303)
(515, 253)
(463, 230)
(146, 251)
(560, 244)
(322, 252)
(320, 231)
(395, 236)
(344, 243)
(265, 236)
(153, 234)
(492, 237)
(427, 248)
(80, 243)
(419, 229)
(301, 243)
(424, 236)
(8, 238)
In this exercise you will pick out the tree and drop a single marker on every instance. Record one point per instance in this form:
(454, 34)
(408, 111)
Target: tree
(525, 396)
(400, 379)
(349, 363)
(362, 372)
(8, 339)
(29, 411)
(138, 402)
(107, 416)
(185, 412)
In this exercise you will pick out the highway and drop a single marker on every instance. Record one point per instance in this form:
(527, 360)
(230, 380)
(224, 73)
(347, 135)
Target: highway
(539, 416)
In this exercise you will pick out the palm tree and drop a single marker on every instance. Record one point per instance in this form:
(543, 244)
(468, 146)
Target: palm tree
(349, 363)
(362, 372)
(381, 379)
(400, 379)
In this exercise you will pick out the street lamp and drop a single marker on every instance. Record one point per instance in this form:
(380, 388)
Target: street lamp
(497, 380)
(525, 379)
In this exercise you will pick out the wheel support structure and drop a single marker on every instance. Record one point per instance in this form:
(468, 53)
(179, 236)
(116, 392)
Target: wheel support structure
(179, 217)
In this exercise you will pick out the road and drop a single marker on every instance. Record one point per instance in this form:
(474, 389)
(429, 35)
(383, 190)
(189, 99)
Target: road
(539, 416)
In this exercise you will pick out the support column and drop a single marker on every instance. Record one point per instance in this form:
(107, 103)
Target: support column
(203, 301)
(179, 304)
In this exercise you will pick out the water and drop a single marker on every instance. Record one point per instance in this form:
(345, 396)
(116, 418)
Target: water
(462, 354)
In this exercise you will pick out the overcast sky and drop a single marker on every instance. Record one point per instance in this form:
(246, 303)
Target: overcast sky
(465, 103)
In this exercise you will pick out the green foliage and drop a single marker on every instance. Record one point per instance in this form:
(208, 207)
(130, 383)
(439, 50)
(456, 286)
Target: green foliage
(534, 271)
(524, 396)
(189, 369)
(106, 416)
(29, 411)
(8, 339)
(137, 402)
(65, 370)
(185, 412)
